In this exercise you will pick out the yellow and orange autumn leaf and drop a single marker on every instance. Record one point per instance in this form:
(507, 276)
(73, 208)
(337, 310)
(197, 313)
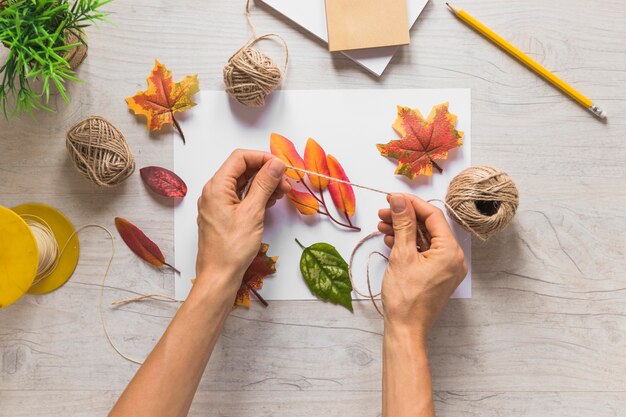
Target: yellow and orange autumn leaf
(163, 98)
(422, 140)
(315, 161)
(341, 193)
(285, 150)
(305, 203)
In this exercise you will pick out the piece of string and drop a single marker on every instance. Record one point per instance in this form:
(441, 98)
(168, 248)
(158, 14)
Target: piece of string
(269, 35)
(306, 171)
(376, 190)
(50, 256)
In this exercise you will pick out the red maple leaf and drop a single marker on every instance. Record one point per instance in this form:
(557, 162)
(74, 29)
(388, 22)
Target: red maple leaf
(261, 266)
(422, 140)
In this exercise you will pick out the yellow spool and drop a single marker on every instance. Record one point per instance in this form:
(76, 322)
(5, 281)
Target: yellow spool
(19, 255)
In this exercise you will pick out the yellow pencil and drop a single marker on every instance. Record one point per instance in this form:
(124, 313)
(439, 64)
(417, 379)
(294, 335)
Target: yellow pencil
(528, 61)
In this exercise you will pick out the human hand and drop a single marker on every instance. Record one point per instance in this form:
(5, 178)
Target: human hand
(416, 286)
(230, 229)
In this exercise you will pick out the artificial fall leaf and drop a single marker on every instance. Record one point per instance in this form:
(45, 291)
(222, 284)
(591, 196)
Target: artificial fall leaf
(341, 193)
(315, 161)
(422, 141)
(261, 266)
(285, 150)
(163, 98)
(163, 182)
(305, 202)
(140, 244)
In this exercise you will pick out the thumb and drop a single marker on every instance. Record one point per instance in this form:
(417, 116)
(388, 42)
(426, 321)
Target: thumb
(404, 224)
(265, 183)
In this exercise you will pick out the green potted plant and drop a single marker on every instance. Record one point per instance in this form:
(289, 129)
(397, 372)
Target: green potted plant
(46, 42)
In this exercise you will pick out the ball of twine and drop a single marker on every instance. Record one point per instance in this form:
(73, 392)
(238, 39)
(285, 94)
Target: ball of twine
(100, 152)
(250, 75)
(77, 54)
(483, 200)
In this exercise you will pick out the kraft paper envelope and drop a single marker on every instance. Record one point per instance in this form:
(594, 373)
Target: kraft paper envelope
(358, 24)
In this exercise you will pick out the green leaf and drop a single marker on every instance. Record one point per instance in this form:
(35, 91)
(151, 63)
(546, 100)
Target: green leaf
(325, 272)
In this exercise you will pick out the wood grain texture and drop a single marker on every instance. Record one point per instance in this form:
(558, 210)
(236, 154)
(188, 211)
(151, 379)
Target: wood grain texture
(544, 334)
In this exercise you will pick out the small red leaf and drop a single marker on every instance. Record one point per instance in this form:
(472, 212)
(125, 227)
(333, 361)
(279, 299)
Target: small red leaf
(139, 243)
(163, 182)
(261, 266)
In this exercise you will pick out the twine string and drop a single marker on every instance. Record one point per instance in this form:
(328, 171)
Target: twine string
(365, 187)
(50, 255)
(250, 75)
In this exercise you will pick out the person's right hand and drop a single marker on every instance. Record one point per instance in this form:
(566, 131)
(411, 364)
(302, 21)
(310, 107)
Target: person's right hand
(417, 286)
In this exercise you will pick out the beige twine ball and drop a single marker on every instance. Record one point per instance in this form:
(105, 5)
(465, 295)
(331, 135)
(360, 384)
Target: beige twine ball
(100, 151)
(250, 75)
(483, 200)
(76, 55)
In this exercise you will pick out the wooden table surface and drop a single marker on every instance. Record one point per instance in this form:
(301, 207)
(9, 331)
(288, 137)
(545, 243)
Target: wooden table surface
(543, 335)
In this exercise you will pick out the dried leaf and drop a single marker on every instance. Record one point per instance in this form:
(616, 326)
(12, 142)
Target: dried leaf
(261, 266)
(163, 98)
(305, 202)
(422, 141)
(140, 244)
(325, 272)
(315, 160)
(342, 194)
(284, 149)
(163, 182)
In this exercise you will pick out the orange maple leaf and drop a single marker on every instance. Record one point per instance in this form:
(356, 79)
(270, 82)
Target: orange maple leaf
(261, 266)
(422, 141)
(163, 98)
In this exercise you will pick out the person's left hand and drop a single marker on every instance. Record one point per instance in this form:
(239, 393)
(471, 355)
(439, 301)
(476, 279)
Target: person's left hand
(230, 229)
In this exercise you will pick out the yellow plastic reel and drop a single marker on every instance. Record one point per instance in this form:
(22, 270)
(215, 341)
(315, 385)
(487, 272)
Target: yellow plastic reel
(62, 229)
(19, 257)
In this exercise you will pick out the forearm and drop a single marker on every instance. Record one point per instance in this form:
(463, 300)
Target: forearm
(166, 383)
(407, 385)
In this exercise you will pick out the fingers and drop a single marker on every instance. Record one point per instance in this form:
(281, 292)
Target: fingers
(266, 184)
(433, 218)
(243, 163)
(404, 224)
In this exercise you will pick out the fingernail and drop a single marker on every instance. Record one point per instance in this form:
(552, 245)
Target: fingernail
(277, 168)
(398, 203)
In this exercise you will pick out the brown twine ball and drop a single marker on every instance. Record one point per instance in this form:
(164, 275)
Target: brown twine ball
(76, 55)
(483, 200)
(100, 151)
(250, 75)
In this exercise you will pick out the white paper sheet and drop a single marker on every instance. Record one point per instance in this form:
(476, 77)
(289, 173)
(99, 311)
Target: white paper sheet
(311, 15)
(347, 124)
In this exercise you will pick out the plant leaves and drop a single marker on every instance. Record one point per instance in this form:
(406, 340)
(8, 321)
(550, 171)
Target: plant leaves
(140, 244)
(325, 272)
(163, 98)
(315, 160)
(163, 182)
(342, 194)
(261, 266)
(422, 141)
(305, 202)
(284, 149)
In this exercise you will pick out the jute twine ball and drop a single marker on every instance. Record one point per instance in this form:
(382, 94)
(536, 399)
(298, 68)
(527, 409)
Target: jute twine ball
(483, 200)
(76, 55)
(250, 75)
(100, 152)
